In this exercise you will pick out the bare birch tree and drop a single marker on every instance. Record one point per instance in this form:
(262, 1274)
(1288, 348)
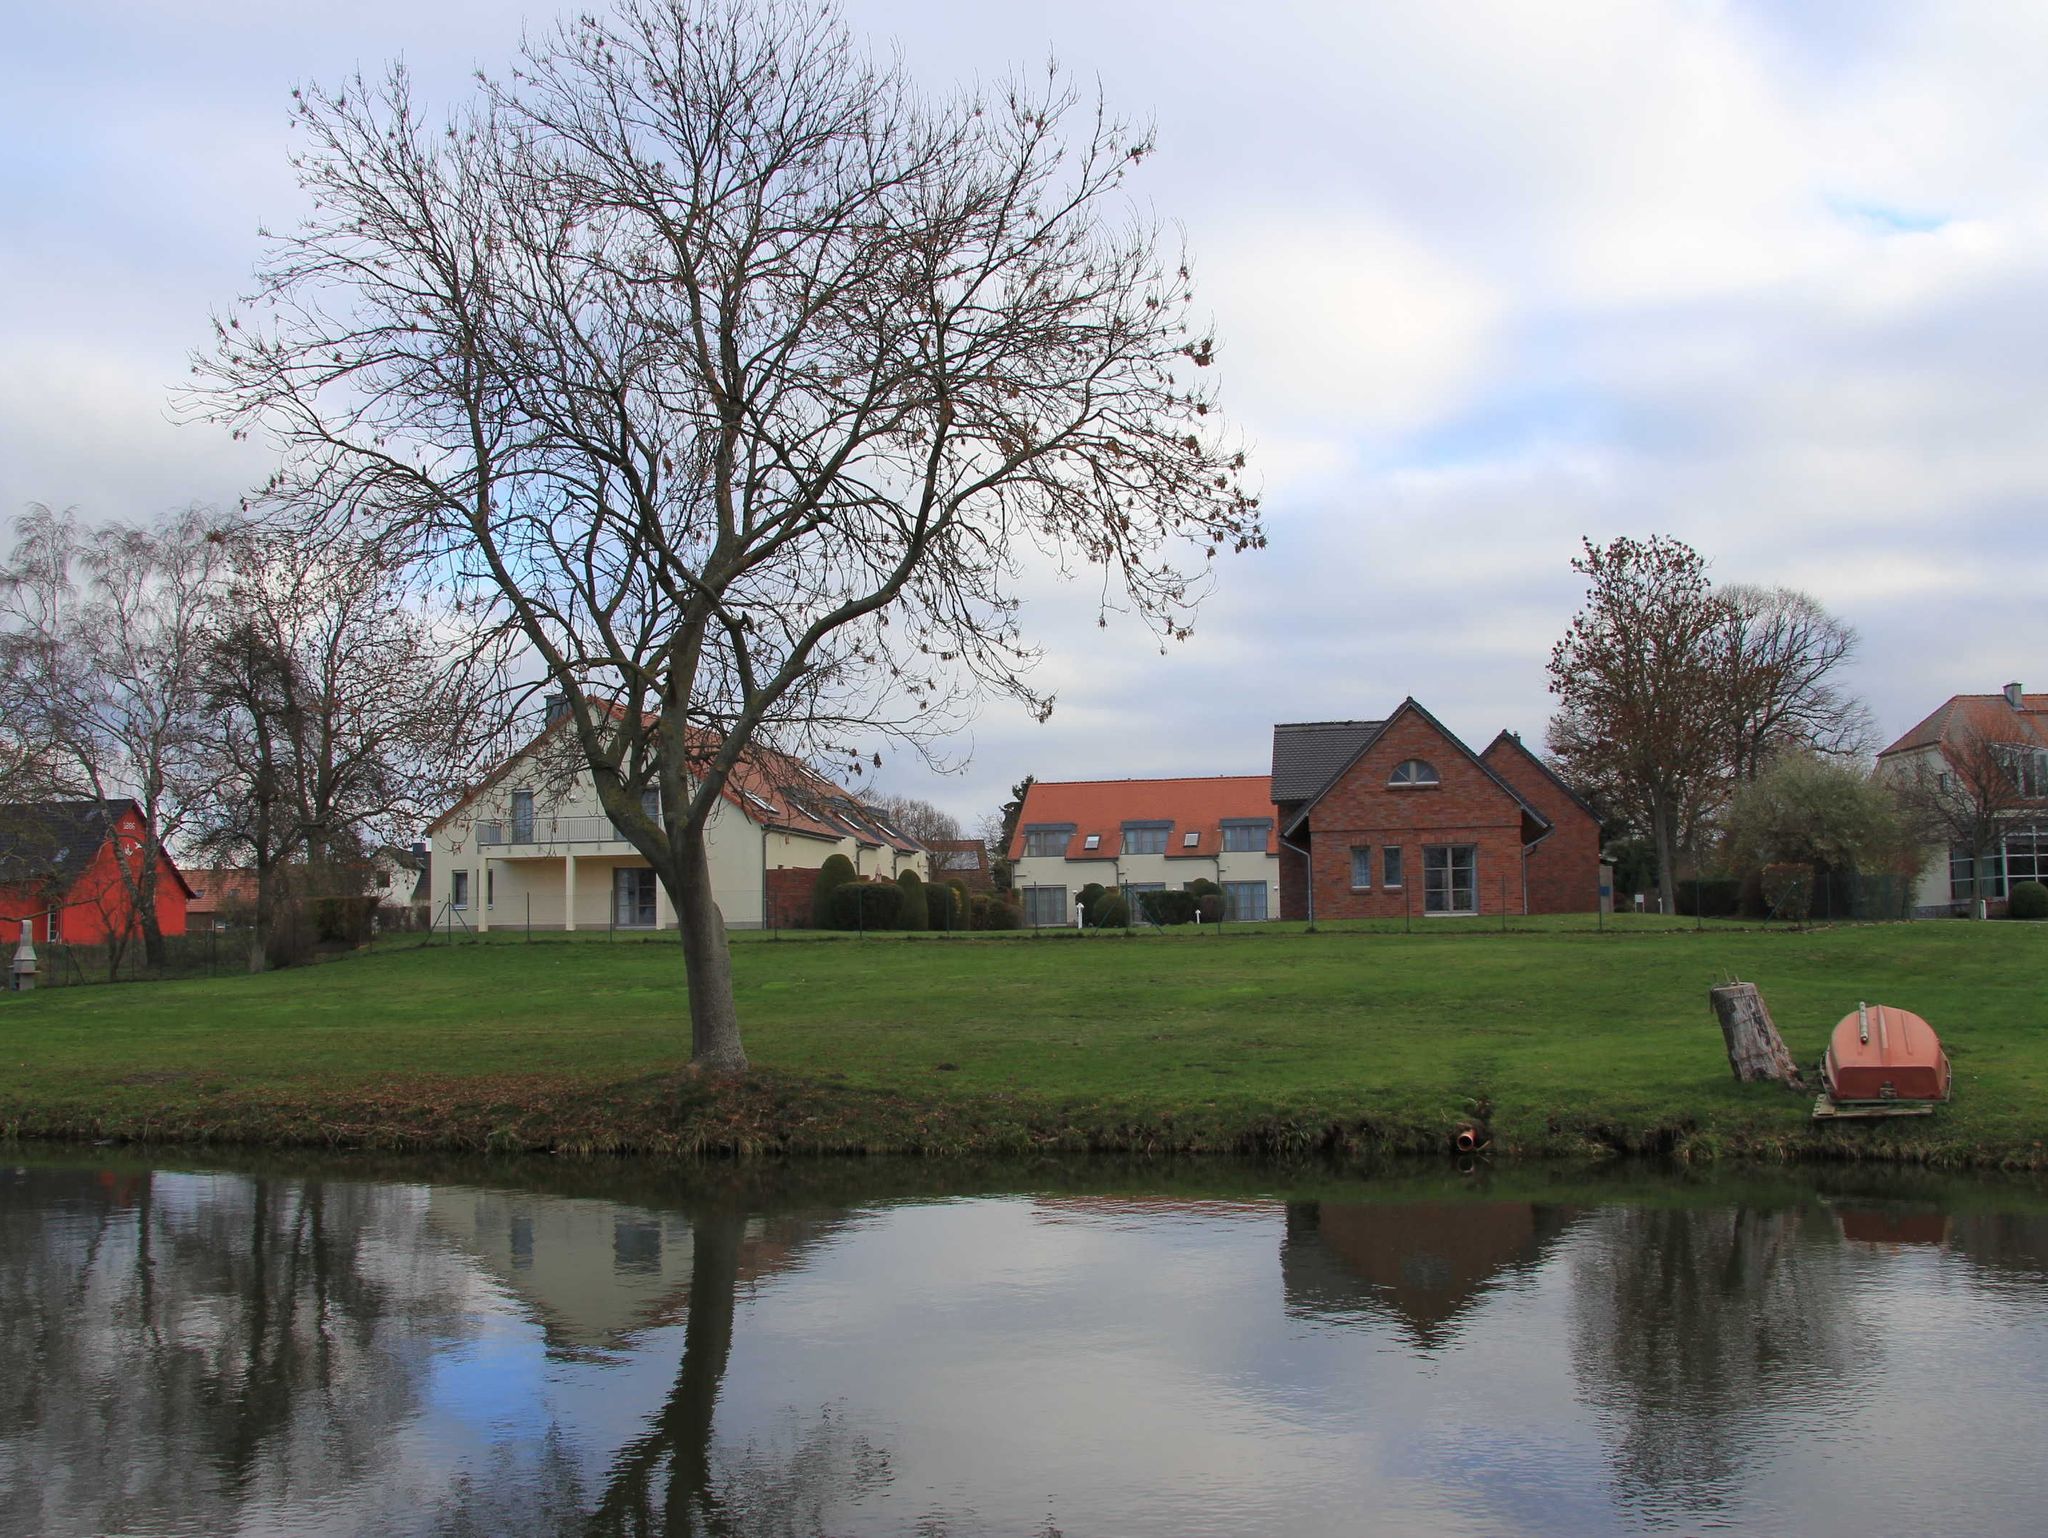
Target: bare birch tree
(339, 716)
(102, 641)
(740, 381)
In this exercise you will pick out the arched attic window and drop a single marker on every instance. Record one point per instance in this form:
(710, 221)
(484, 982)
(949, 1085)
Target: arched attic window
(1413, 773)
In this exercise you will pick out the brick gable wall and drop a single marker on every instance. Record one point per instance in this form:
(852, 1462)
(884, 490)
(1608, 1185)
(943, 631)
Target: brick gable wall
(1564, 870)
(1362, 810)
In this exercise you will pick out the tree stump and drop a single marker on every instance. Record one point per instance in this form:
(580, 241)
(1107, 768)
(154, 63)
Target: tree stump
(1755, 1050)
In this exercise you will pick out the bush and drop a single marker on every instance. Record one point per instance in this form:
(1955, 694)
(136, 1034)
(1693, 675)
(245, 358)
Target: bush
(1091, 894)
(343, 920)
(833, 874)
(1788, 888)
(1209, 906)
(2029, 900)
(1112, 912)
(941, 909)
(916, 917)
(1202, 886)
(867, 906)
(1168, 907)
(1714, 897)
(991, 912)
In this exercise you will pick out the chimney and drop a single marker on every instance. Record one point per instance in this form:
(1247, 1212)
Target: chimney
(553, 708)
(2012, 696)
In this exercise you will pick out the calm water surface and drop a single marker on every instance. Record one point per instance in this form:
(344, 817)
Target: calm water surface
(1070, 1350)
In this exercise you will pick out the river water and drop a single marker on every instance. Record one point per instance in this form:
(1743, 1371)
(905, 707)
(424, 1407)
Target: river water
(1074, 1349)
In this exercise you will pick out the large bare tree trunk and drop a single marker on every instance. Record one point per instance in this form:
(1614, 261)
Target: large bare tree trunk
(707, 964)
(1755, 1049)
(1663, 832)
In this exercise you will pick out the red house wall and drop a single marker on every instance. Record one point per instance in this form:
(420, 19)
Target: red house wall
(1564, 870)
(1465, 807)
(97, 903)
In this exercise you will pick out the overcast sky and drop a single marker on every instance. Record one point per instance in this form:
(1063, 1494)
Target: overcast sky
(1488, 277)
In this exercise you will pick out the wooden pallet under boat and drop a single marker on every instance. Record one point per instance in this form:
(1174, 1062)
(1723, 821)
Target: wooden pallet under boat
(1883, 1061)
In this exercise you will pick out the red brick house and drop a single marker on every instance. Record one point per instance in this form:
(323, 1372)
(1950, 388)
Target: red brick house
(58, 868)
(1381, 819)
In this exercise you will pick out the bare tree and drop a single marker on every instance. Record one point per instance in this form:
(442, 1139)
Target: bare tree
(1785, 654)
(1642, 706)
(920, 819)
(338, 715)
(1965, 795)
(738, 380)
(102, 641)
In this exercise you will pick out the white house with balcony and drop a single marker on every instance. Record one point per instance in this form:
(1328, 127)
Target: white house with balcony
(521, 850)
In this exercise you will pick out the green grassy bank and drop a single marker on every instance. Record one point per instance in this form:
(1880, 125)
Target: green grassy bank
(1560, 1040)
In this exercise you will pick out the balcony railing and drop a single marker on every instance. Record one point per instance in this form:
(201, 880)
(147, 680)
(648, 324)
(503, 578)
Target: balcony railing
(548, 832)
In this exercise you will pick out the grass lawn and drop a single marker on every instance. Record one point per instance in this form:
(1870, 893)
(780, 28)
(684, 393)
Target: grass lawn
(1559, 1039)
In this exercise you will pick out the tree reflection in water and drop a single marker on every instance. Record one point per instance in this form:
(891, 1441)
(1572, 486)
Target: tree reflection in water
(1690, 1326)
(204, 1345)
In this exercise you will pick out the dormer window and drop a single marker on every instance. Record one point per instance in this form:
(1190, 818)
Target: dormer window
(1413, 774)
(1092, 841)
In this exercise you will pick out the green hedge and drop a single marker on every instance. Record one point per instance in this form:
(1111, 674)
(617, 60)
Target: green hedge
(2029, 900)
(916, 918)
(833, 874)
(867, 906)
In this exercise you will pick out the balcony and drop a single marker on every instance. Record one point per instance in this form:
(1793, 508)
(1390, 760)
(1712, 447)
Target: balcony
(545, 833)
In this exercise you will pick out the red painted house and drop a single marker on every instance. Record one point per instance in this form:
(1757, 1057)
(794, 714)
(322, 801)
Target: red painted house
(1381, 819)
(57, 868)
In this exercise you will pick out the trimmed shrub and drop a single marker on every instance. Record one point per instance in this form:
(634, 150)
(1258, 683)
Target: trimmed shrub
(960, 904)
(1168, 907)
(1113, 912)
(1202, 886)
(2029, 900)
(915, 918)
(867, 905)
(1209, 907)
(833, 874)
(941, 909)
(1091, 894)
(991, 912)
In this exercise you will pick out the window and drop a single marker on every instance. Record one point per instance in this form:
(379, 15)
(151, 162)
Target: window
(633, 898)
(2027, 768)
(1390, 867)
(522, 816)
(650, 803)
(1046, 906)
(458, 889)
(2026, 855)
(1413, 773)
(1450, 878)
(1190, 839)
(1361, 868)
(490, 887)
(1244, 900)
(1047, 842)
(1146, 837)
(959, 859)
(1092, 841)
(1241, 837)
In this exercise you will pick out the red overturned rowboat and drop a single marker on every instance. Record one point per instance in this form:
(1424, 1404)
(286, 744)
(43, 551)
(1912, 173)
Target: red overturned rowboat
(1883, 1061)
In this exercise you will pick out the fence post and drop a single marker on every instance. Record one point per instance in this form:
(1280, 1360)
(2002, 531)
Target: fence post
(1503, 902)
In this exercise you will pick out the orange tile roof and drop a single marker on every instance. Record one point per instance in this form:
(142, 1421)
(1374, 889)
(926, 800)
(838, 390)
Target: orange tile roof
(1102, 807)
(1986, 716)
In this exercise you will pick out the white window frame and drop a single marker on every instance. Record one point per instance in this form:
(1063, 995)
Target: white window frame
(1409, 774)
(1361, 861)
(458, 890)
(1448, 887)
